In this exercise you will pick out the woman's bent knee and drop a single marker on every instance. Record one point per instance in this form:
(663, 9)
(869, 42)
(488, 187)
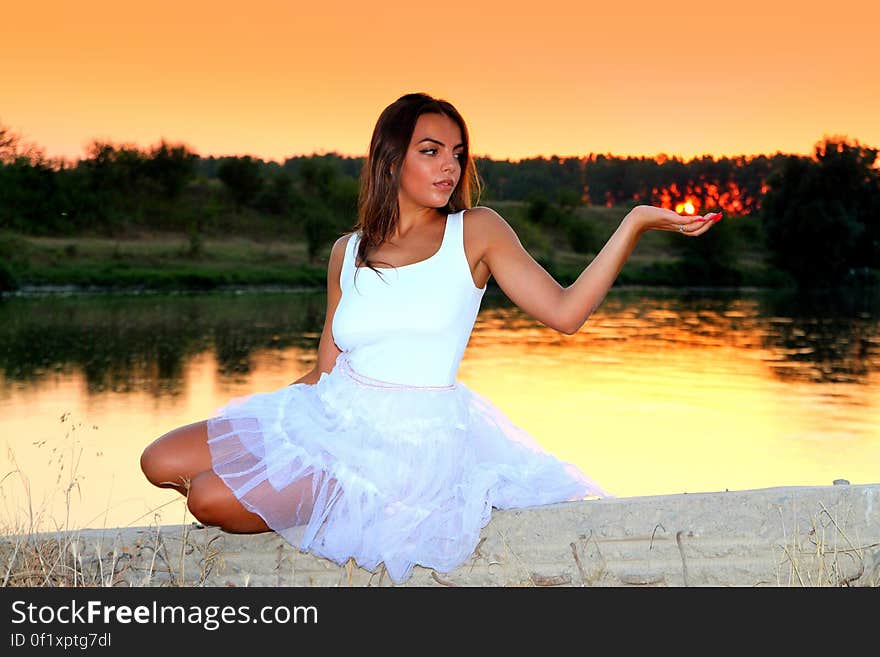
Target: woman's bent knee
(159, 470)
(172, 459)
(212, 502)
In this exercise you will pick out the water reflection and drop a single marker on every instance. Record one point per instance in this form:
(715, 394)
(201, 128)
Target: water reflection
(659, 392)
(131, 343)
(126, 343)
(799, 338)
(823, 336)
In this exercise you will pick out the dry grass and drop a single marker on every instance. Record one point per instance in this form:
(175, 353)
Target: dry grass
(39, 550)
(831, 553)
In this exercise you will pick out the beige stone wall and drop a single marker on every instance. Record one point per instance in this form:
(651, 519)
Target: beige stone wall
(793, 536)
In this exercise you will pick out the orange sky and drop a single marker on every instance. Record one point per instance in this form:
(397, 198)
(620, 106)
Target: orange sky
(274, 78)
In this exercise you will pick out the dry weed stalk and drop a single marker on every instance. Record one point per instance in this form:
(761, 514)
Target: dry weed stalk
(827, 555)
(35, 550)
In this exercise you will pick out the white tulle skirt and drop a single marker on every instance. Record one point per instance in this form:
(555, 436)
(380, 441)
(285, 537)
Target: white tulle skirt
(382, 472)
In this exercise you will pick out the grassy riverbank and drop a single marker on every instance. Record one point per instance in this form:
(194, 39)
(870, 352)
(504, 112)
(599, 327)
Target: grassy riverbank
(164, 261)
(158, 261)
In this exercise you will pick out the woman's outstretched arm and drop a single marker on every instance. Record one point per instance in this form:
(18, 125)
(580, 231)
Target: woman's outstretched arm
(534, 290)
(581, 298)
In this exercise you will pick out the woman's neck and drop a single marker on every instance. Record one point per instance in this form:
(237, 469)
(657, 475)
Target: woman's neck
(415, 220)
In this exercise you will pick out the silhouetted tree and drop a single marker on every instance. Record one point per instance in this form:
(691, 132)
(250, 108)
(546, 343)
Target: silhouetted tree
(28, 197)
(317, 223)
(849, 176)
(172, 167)
(538, 208)
(241, 175)
(819, 214)
(278, 197)
(542, 212)
(711, 258)
(8, 145)
(12, 148)
(328, 202)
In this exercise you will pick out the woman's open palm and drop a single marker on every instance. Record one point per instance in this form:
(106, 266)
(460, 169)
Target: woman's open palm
(654, 218)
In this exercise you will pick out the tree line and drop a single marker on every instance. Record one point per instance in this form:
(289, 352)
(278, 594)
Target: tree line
(819, 215)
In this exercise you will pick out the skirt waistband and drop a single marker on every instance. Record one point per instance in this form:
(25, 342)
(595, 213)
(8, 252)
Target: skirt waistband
(345, 366)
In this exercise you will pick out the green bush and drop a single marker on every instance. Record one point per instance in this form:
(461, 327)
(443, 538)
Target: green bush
(8, 278)
(13, 260)
(583, 235)
(820, 217)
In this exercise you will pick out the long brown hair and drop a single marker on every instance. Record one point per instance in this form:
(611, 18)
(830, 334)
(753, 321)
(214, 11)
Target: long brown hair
(378, 210)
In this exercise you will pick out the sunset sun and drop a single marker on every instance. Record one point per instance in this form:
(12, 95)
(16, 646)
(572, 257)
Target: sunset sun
(685, 207)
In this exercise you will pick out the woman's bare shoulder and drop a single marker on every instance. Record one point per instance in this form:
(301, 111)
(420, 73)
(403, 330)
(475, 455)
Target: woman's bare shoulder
(486, 226)
(341, 242)
(337, 255)
(343, 239)
(483, 217)
(480, 211)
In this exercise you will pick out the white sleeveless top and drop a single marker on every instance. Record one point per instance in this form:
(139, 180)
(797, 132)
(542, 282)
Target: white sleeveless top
(412, 324)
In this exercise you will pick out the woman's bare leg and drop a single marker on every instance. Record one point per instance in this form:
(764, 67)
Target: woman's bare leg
(172, 460)
(180, 459)
(213, 503)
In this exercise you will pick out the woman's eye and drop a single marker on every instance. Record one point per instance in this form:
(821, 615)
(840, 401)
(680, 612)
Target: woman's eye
(434, 150)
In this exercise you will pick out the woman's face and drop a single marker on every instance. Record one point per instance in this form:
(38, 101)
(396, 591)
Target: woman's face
(433, 156)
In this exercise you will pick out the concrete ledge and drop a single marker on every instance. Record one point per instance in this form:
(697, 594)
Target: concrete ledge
(791, 536)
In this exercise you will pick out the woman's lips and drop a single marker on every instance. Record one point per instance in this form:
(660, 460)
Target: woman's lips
(445, 186)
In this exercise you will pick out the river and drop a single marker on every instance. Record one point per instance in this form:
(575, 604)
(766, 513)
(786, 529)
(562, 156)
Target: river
(660, 392)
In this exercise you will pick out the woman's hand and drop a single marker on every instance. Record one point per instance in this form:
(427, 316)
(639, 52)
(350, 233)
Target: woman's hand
(649, 217)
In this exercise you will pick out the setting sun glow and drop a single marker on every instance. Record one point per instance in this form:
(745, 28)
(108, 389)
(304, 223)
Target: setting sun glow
(275, 79)
(686, 207)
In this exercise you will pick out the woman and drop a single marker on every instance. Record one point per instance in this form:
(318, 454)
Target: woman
(379, 453)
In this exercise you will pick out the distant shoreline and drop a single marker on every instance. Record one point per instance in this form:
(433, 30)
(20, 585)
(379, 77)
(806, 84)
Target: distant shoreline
(165, 263)
(176, 261)
(35, 291)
